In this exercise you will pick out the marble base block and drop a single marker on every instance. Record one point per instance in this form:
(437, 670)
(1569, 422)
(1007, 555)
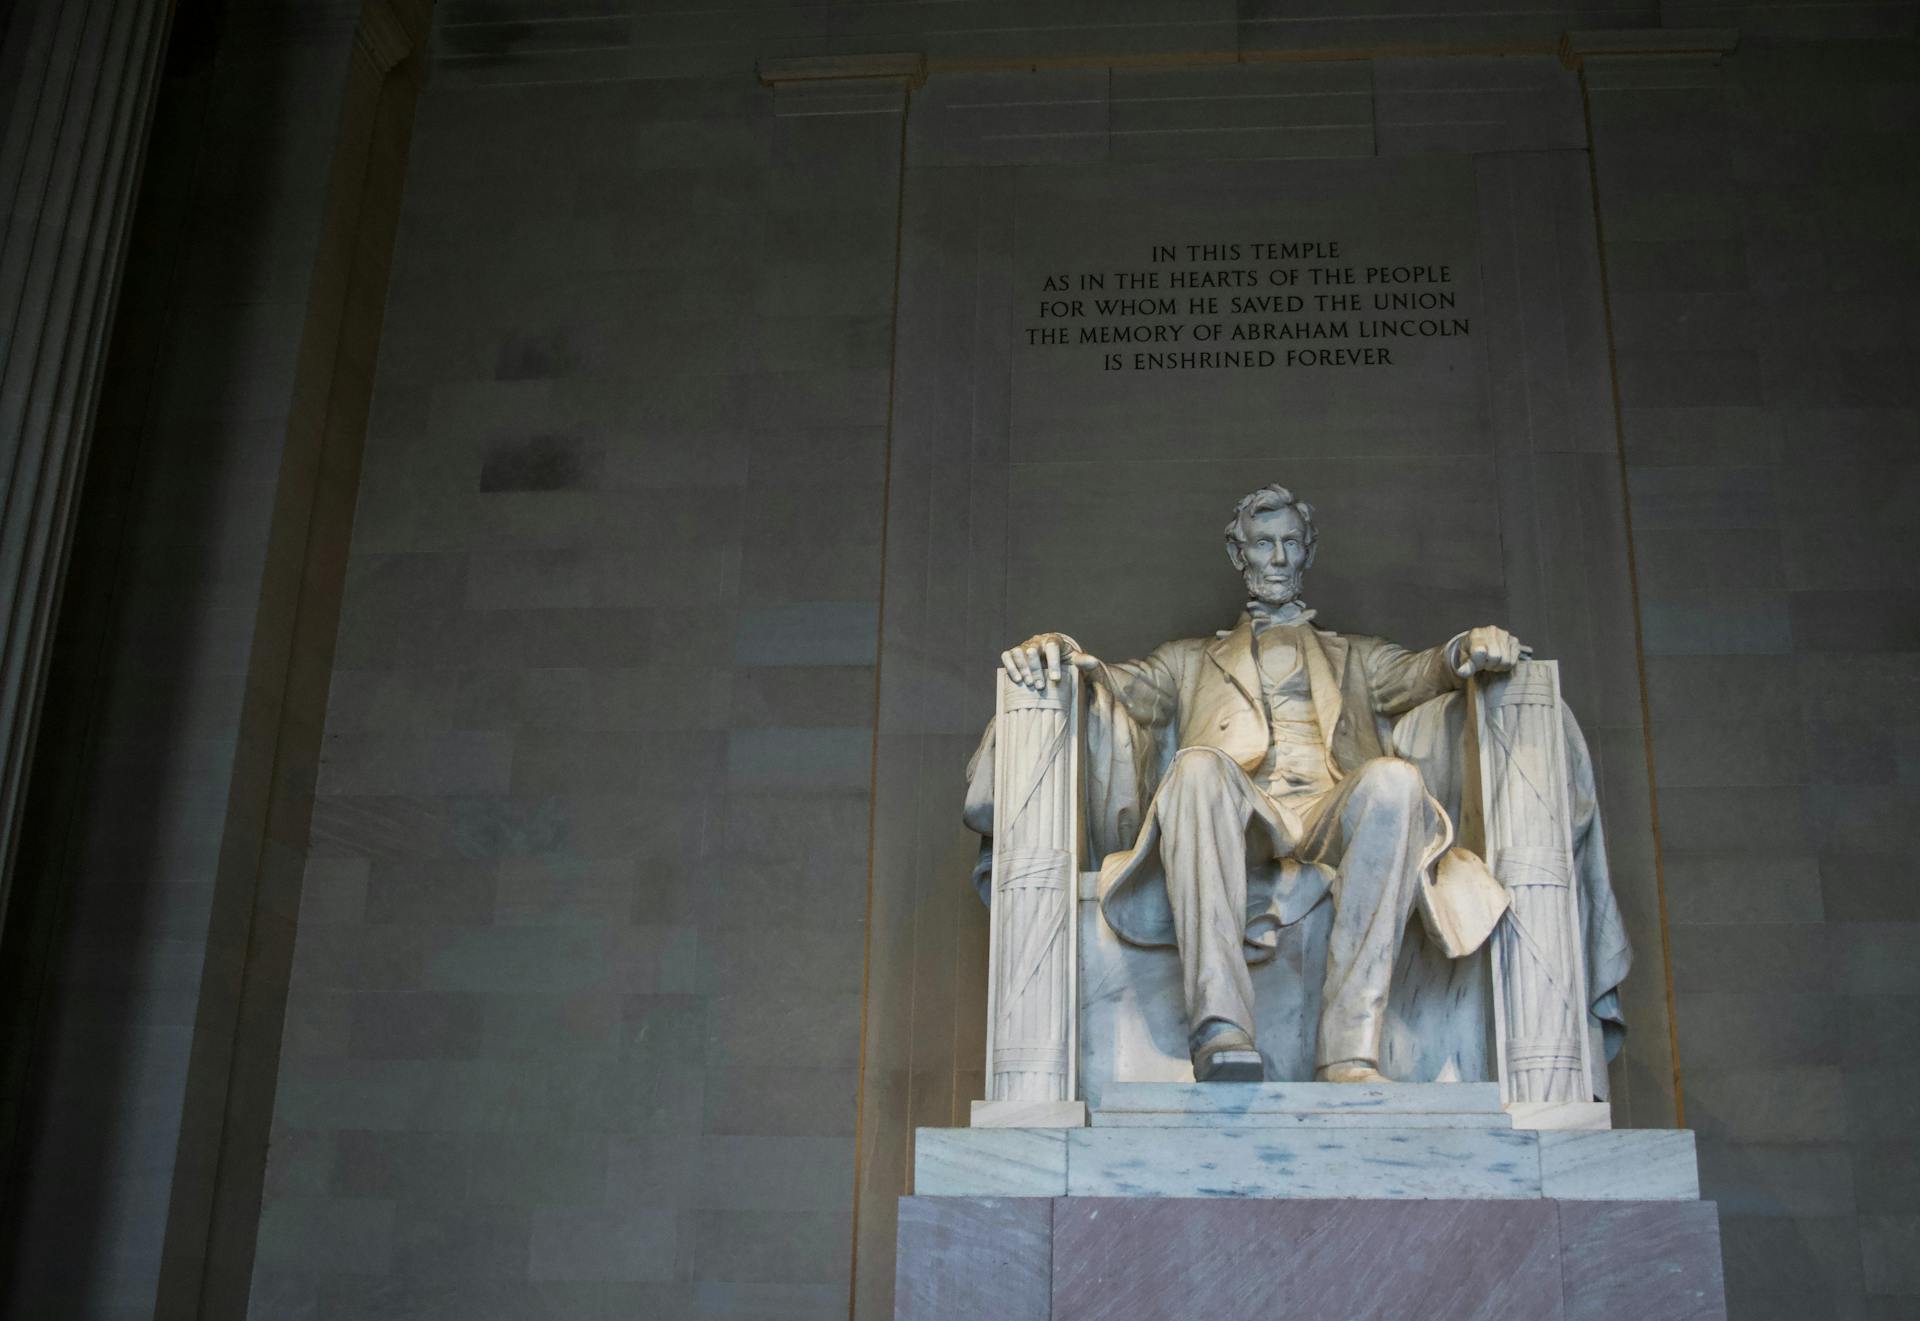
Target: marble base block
(1464, 1098)
(990, 1162)
(1324, 1105)
(1028, 1114)
(1096, 1258)
(1300, 1105)
(1288, 1119)
(1273, 1163)
(1627, 1164)
(1560, 1114)
(975, 1257)
(1267, 1161)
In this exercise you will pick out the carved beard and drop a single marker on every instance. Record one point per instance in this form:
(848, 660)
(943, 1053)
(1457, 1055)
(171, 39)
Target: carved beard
(1281, 592)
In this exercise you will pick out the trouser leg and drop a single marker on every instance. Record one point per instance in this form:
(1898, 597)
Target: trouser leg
(1375, 829)
(1202, 811)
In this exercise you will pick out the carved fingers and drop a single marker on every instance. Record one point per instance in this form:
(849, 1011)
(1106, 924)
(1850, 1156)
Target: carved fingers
(1490, 649)
(1022, 663)
(1015, 667)
(1035, 663)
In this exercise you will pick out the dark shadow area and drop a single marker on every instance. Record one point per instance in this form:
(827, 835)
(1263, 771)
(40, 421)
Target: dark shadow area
(96, 933)
(145, 957)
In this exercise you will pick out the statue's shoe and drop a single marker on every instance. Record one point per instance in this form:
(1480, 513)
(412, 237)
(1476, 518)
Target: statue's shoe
(1349, 1071)
(1228, 1056)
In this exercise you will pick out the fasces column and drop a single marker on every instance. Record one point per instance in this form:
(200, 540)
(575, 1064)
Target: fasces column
(1032, 1001)
(77, 84)
(1540, 980)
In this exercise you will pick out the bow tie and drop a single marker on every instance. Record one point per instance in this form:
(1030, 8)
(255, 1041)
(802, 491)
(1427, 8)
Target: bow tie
(1266, 616)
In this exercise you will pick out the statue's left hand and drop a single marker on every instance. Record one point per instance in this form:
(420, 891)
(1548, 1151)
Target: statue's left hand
(1489, 648)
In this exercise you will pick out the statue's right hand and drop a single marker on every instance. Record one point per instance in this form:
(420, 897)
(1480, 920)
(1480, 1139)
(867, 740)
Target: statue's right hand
(1035, 663)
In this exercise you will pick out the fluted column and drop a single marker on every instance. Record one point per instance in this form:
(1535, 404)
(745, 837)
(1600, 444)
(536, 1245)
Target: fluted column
(77, 78)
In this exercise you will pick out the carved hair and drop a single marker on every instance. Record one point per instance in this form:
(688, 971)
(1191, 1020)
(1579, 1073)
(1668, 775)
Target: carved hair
(1267, 499)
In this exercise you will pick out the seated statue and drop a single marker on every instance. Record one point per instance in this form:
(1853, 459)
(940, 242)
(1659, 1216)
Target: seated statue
(1275, 786)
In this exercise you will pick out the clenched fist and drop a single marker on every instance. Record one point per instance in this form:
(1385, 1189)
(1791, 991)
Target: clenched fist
(1488, 649)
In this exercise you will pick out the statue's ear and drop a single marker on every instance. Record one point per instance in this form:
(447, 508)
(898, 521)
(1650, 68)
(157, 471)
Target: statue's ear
(1313, 548)
(1237, 554)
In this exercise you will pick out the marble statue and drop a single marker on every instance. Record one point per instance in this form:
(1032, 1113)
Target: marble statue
(1263, 773)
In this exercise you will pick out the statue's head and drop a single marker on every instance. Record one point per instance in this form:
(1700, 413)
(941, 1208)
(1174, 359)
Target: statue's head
(1270, 539)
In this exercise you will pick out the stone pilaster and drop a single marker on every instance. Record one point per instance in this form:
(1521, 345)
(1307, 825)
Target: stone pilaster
(82, 75)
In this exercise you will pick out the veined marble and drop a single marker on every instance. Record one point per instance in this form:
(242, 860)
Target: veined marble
(1301, 1105)
(1300, 1161)
(1028, 1114)
(1377, 1163)
(1296, 1119)
(1561, 1114)
(990, 1162)
(1303, 1098)
(1626, 1164)
(1436, 1259)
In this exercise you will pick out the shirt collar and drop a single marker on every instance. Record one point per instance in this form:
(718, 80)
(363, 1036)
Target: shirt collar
(1264, 616)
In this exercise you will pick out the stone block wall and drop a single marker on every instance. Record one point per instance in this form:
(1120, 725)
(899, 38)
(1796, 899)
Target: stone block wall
(1761, 220)
(574, 1022)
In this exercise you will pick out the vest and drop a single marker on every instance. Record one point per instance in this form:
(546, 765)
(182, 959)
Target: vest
(1296, 762)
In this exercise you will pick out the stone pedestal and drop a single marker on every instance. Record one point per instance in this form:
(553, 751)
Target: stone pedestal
(1417, 1203)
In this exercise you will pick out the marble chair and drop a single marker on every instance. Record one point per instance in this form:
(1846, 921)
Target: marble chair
(1075, 1009)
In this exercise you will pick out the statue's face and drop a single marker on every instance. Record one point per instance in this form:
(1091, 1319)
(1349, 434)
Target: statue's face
(1277, 555)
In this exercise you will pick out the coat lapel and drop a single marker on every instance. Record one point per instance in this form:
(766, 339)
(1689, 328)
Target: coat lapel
(1232, 651)
(1326, 655)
